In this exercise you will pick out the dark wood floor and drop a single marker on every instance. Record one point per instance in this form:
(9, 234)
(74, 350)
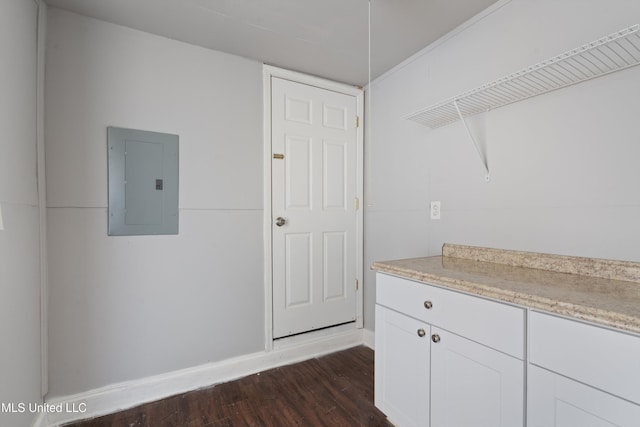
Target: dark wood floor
(333, 390)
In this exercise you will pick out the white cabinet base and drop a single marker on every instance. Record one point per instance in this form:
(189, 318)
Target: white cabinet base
(472, 374)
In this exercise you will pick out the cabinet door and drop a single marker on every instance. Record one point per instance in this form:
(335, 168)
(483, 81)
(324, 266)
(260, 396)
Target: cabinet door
(556, 401)
(473, 385)
(402, 368)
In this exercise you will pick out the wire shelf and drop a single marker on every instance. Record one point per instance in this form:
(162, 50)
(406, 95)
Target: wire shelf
(612, 53)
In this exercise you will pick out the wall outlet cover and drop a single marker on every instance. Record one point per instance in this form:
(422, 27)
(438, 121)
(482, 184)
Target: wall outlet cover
(435, 210)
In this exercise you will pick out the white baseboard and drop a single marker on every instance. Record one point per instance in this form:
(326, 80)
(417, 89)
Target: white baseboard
(129, 394)
(369, 338)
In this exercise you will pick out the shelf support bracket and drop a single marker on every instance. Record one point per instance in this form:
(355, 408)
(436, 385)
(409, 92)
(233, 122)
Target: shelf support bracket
(475, 144)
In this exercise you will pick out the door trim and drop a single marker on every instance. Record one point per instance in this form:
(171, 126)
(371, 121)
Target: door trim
(268, 72)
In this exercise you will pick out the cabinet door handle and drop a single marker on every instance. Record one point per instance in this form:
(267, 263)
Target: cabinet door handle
(421, 332)
(435, 338)
(428, 305)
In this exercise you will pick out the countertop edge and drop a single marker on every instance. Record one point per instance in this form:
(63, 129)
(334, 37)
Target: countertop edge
(589, 314)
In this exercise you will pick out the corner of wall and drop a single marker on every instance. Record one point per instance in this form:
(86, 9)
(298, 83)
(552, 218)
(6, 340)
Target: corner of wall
(42, 194)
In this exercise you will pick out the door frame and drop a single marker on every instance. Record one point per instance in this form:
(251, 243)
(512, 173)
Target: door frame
(268, 72)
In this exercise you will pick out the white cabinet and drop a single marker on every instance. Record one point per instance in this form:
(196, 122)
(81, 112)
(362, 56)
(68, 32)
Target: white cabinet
(581, 375)
(449, 359)
(402, 368)
(606, 359)
(474, 385)
(557, 401)
(493, 324)
(446, 359)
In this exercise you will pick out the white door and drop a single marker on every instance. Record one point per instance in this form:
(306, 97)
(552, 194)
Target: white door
(473, 385)
(556, 401)
(314, 167)
(402, 368)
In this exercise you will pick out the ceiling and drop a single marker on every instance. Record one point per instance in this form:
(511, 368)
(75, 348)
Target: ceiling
(327, 38)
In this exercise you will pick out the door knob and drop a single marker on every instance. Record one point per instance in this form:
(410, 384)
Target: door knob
(435, 338)
(280, 221)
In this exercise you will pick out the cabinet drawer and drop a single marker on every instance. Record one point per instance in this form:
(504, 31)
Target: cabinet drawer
(493, 324)
(402, 295)
(600, 357)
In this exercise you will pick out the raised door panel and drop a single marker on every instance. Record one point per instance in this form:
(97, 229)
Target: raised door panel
(556, 401)
(473, 385)
(402, 368)
(335, 186)
(298, 157)
(298, 266)
(335, 262)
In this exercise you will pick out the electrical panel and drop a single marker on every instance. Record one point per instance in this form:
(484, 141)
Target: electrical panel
(143, 182)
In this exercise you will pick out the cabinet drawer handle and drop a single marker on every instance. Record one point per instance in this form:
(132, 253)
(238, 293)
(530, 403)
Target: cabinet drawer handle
(428, 305)
(435, 338)
(421, 332)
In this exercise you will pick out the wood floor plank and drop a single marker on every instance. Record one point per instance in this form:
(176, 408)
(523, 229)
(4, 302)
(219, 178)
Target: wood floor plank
(334, 390)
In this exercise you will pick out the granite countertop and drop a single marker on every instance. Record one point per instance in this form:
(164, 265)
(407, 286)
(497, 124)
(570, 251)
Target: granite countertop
(604, 292)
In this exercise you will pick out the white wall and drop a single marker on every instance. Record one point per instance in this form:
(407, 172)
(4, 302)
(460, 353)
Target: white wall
(124, 308)
(19, 241)
(564, 166)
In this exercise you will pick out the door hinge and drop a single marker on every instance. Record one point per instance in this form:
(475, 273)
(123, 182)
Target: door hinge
(357, 121)
(356, 203)
(357, 284)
